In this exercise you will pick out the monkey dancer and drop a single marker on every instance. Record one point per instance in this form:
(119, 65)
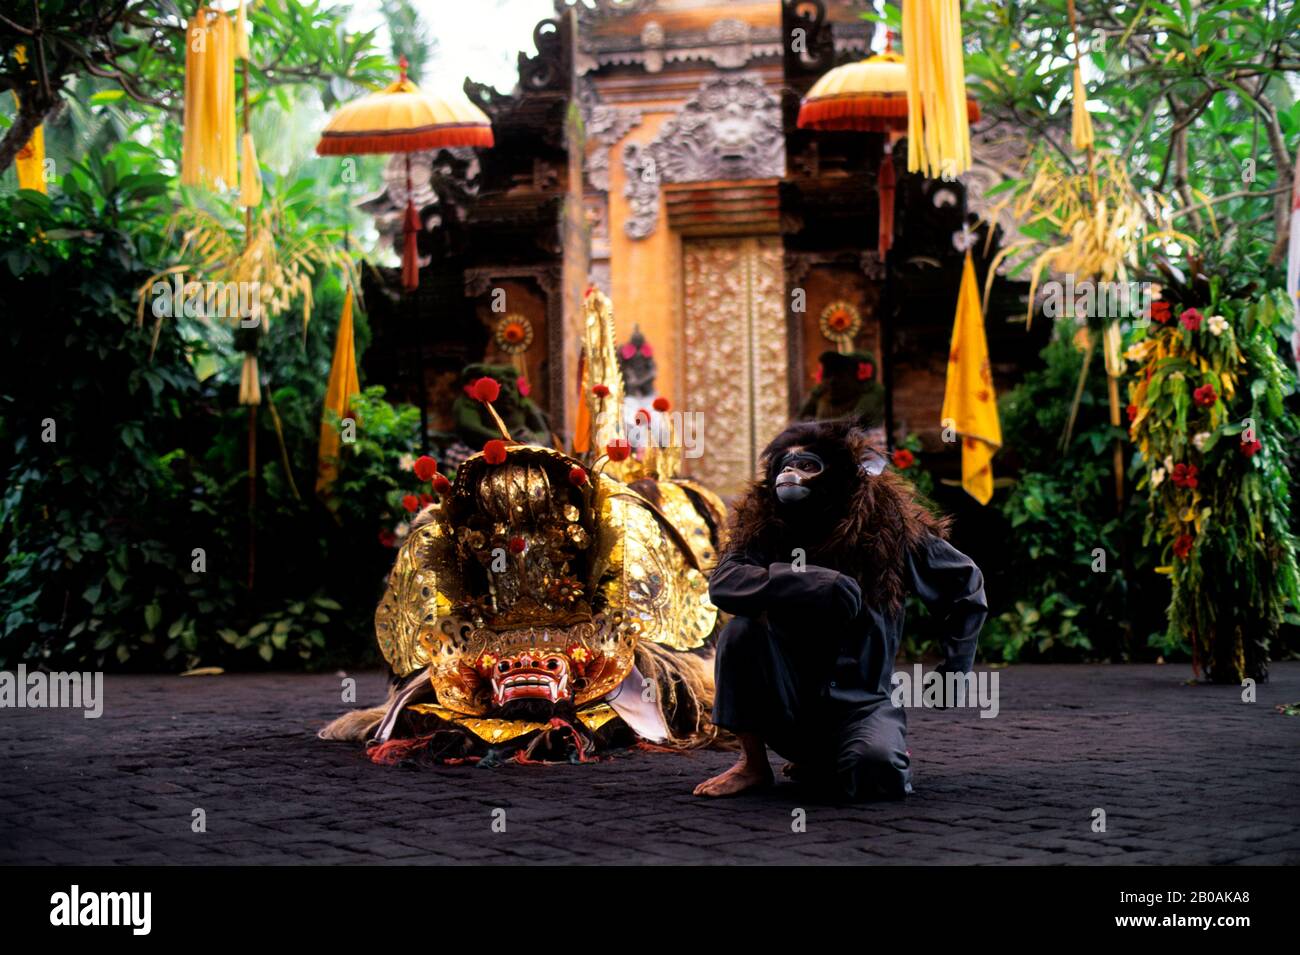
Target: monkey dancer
(822, 554)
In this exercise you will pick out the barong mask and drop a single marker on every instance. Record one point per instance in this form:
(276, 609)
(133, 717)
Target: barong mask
(523, 584)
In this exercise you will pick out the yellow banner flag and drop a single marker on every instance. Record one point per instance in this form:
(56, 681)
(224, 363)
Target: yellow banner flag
(343, 386)
(969, 403)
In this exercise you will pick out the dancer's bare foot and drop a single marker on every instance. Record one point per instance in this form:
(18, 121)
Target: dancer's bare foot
(746, 774)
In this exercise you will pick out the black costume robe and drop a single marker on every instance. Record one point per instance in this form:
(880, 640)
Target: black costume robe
(816, 687)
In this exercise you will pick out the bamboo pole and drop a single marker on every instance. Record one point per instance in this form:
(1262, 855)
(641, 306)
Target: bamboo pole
(1112, 382)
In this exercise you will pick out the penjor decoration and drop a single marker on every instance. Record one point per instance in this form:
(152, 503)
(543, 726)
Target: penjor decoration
(538, 597)
(402, 119)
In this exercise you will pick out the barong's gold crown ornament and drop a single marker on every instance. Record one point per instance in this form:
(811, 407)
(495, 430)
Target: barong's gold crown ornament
(535, 576)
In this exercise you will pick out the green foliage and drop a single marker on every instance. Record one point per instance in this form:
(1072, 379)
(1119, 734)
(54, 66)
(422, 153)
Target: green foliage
(1226, 533)
(1036, 629)
(1193, 96)
(1065, 588)
(127, 534)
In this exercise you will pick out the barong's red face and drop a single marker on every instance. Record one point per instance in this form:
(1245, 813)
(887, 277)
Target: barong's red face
(531, 676)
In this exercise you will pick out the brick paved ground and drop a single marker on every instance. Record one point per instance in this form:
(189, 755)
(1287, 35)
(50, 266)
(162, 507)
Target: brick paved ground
(1185, 774)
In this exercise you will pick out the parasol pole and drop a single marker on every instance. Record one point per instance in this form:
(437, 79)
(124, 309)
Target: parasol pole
(1112, 379)
(887, 323)
(252, 408)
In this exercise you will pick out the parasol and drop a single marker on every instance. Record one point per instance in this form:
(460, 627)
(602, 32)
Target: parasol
(868, 96)
(402, 119)
(871, 96)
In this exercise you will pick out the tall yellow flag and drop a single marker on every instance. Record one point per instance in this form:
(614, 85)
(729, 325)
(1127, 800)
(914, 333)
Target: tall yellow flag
(343, 385)
(969, 403)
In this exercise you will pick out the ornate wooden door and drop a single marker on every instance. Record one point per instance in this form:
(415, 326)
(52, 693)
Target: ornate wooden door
(736, 354)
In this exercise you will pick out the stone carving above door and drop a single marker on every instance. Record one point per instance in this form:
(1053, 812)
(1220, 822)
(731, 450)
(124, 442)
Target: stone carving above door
(730, 129)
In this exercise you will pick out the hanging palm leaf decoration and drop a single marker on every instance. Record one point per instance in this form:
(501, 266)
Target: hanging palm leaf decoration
(279, 262)
(208, 143)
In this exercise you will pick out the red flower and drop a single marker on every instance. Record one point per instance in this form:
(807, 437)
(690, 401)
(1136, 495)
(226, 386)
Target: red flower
(865, 370)
(486, 390)
(1184, 475)
(1191, 319)
(525, 389)
(1132, 413)
(618, 449)
(411, 503)
(427, 499)
(1205, 396)
(518, 545)
(494, 452)
(440, 484)
(661, 404)
(578, 476)
(1183, 546)
(600, 391)
(425, 467)
(1161, 312)
(1250, 448)
(818, 374)
(646, 350)
(903, 459)
(387, 538)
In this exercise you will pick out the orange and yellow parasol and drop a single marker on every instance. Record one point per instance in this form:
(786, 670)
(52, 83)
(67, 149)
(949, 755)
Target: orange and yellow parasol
(868, 96)
(403, 119)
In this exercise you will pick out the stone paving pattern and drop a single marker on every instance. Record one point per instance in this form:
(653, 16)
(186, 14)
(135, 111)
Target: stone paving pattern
(1185, 773)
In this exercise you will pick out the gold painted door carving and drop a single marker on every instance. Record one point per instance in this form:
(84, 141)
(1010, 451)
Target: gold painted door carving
(736, 354)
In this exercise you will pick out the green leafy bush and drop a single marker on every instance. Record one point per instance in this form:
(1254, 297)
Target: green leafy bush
(125, 516)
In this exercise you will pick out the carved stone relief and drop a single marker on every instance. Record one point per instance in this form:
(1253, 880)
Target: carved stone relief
(730, 129)
(735, 354)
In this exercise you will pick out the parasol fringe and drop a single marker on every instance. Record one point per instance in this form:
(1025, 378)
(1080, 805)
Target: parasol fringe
(403, 141)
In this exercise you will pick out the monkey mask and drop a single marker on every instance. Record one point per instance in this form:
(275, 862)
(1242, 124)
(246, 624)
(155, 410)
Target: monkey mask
(810, 473)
